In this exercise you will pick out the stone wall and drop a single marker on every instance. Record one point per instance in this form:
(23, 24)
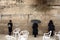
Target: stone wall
(21, 12)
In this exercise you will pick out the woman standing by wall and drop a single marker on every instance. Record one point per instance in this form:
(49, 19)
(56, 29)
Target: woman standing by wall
(51, 27)
(35, 29)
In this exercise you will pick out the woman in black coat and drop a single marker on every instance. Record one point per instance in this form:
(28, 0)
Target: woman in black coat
(51, 27)
(35, 29)
(10, 24)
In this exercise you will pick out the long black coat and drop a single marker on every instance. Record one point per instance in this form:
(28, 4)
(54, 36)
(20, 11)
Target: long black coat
(10, 26)
(35, 29)
(51, 27)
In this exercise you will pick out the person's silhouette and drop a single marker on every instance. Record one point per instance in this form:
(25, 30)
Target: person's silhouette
(35, 29)
(10, 24)
(51, 27)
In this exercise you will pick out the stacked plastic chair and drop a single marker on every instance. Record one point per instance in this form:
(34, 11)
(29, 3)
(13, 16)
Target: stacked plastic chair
(16, 32)
(23, 35)
(46, 36)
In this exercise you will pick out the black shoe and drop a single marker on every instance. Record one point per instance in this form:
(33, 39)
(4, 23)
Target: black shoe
(34, 35)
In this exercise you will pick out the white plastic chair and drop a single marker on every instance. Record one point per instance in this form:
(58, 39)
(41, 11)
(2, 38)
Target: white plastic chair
(46, 36)
(23, 35)
(16, 32)
(8, 37)
(57, 34)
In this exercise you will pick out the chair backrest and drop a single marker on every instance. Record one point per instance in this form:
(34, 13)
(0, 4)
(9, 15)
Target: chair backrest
(50, 33)
(16, 29)
(24, 34)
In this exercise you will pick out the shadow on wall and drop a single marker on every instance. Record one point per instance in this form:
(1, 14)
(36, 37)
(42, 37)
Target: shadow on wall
(43, 5)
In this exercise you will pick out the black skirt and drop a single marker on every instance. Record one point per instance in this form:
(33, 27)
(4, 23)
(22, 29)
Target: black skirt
(10, 29)
(35, 32)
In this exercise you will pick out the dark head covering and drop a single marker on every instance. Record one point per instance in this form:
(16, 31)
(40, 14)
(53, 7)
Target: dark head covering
(10, 20)
(51, 22)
